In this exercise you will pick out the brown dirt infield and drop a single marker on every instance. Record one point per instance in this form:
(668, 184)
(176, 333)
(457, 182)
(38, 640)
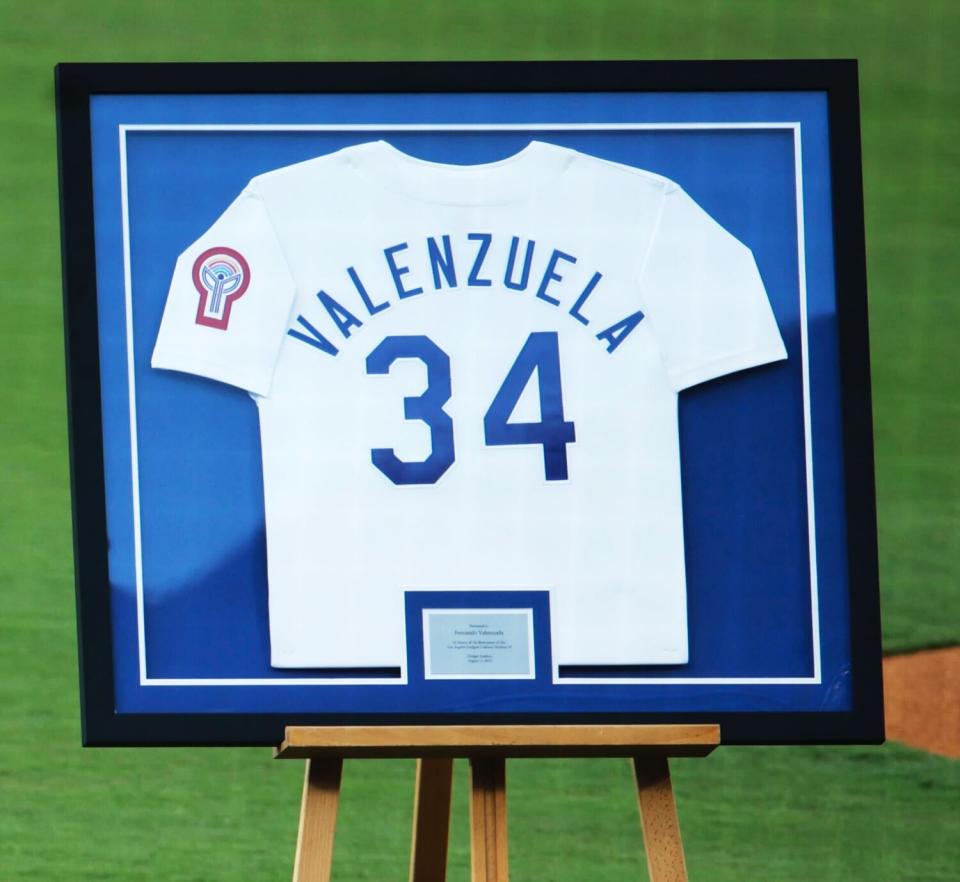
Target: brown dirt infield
(921, 693)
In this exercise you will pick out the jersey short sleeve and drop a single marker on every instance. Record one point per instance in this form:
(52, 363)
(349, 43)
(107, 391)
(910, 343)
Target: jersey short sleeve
(704, 297)
(229, 302)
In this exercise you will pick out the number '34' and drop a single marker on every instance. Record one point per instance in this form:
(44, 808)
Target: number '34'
(540, 353)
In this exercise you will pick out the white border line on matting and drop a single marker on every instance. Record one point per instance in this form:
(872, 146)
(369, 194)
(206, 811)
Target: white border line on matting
(469, 127)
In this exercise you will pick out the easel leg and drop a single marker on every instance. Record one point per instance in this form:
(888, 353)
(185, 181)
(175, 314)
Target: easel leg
(488, 819)
(431, 820)
(318, 820)
(658, 818)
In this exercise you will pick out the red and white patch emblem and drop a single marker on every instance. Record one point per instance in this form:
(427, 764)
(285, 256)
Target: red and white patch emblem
(220, 275)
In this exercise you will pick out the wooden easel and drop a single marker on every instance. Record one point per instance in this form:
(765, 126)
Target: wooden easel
(487, 747)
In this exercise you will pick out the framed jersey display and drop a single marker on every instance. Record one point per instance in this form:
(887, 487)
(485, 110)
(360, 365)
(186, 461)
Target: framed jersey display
(468, 392)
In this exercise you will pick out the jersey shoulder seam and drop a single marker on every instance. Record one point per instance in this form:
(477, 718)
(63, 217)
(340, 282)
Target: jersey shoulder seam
(668, 185)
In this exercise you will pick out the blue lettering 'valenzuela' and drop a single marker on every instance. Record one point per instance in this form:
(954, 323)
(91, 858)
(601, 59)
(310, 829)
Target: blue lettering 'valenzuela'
(349, 310)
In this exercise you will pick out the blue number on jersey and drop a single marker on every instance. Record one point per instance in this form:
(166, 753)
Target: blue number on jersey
(427, 407)
(541, 352)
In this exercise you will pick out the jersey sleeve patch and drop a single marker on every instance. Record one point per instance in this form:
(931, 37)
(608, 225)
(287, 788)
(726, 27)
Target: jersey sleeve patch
(228, 305)
(221, 276)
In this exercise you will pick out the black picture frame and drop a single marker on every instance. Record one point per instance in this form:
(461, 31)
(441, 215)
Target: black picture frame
(76, 84)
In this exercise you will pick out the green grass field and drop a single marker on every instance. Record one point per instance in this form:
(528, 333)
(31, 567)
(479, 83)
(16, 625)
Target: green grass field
(773, 814)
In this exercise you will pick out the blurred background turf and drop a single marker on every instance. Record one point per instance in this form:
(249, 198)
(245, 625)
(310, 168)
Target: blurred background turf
(772, 814)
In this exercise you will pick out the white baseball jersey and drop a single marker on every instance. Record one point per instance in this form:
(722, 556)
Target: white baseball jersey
(467, 378)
